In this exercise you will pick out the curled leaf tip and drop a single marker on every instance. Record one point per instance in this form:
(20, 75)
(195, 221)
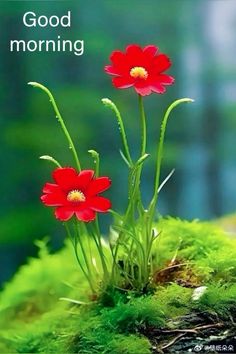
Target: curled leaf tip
(108, 103)
(186, 99)
(32, 83)
(50, 158)
(37, 84)
(106, 100)
(93, 152)
(45, 157)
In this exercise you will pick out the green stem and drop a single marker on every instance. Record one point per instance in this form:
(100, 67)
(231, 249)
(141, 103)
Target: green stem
(129, 217)
(134, 179)
(160, 152)
(115, 214)
(137, 193)
(143, 125)
(100, 248)
(96, 158)
(107, 102)
(74, 243)
(77, 227)
(60, 119)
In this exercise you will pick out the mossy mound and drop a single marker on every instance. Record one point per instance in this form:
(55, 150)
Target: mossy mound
(188, 255)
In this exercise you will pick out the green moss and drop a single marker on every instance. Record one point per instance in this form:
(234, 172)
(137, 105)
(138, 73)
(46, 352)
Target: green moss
(4, 348)
(129, 345)
(100, 341)
(219, 299)
(219, 265)
(186, 255)
(45, 335)
(192, 240)
(173, 300)
(140, 312)
(147, 311)
(37, 286)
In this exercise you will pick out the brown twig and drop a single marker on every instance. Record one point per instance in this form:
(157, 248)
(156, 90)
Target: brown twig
(209, 326)
(173, 266)
(232, 320)
(185, 331)
(180, 331)
(173, 341)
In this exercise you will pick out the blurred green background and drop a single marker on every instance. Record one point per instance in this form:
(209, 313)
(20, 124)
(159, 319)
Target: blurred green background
(199, 37)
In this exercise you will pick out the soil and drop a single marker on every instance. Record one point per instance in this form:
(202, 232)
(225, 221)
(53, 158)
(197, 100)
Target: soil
(197, 333)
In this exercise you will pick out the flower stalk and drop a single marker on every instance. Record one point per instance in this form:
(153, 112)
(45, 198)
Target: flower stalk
(60, 120)
(143, 125)
(160, 152)
(108, 103)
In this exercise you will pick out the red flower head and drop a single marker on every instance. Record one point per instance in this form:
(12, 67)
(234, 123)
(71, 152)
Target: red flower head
(141, 68)
(76, 193)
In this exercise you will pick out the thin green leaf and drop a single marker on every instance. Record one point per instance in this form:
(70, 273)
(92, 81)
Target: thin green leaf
(50, 158)
(125, 159)
(95, 156)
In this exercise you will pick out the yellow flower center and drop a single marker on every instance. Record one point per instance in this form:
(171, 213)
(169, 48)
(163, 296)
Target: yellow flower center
(138, 72)
(75, 196)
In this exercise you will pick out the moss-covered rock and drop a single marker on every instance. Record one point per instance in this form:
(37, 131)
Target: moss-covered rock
(187, 255)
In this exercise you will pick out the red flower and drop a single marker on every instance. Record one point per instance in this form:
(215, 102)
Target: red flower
(76, 193)
(141, 68)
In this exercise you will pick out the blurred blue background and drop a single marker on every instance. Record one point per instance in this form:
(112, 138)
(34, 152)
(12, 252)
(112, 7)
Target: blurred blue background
(199, 37)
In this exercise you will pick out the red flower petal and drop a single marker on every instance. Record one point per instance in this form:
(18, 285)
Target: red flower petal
(83, 179)
(100, 204)
(53, 199)
(98, 185)
(135, 57)
(86, 215)
(119, 62)
(165, 79)
(117, 57)
(123, 82)
(65, 177)
(158, 88)
(161, 63)
(63, 213)
(109, 69)
(50, 188)
(150, 50)
(133, 50)
(143, 91)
